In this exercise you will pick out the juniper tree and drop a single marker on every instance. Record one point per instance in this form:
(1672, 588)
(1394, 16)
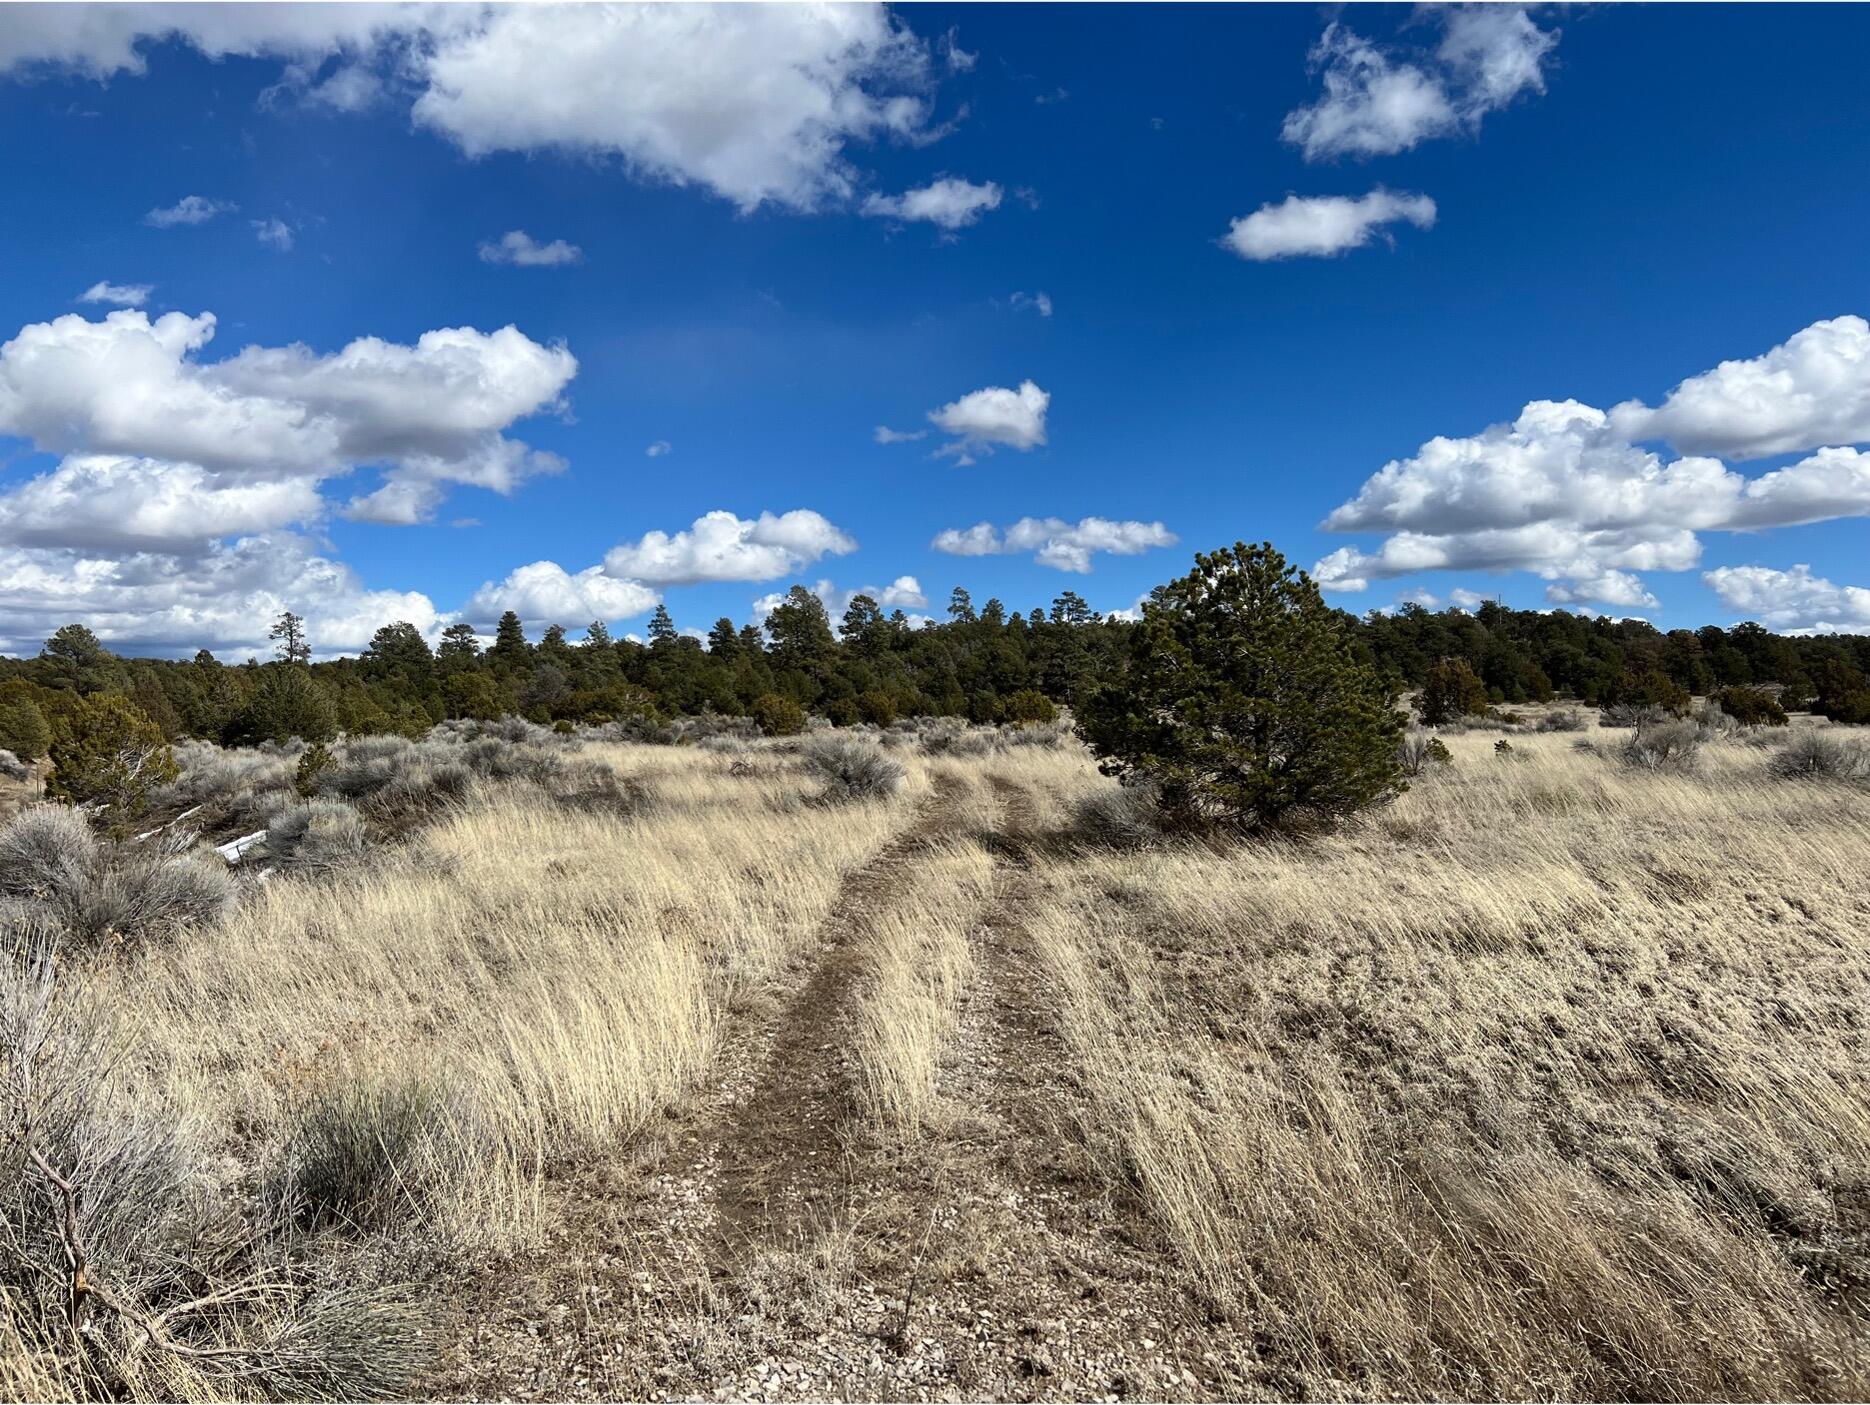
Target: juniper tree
(1243, 699)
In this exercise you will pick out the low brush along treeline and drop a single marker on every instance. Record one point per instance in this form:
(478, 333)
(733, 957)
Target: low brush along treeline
(987, 664)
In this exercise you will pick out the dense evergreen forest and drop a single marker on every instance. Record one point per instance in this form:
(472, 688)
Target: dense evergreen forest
(986, 663)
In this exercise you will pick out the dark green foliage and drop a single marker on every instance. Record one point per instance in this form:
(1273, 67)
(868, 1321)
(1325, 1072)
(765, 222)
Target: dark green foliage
(777, 716)
(314, 761)
(286, 703)
(1243, 699)
(1751, 707)
(994, 664)
(105, 750)
(77, 662)
(24, 730)
(1649, 687)
(876, 707)
(1851, 708)
(1030, 705)
(1451, 691)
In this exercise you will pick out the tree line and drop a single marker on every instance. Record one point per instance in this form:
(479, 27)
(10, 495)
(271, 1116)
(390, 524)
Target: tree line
(987, 663)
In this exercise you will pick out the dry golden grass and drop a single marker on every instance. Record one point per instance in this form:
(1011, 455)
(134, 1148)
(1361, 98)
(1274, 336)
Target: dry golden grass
(919, 963)
(559, 976)
(1548, 1080)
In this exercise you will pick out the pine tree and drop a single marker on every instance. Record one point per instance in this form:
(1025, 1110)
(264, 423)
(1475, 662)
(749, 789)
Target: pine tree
(458, 650)
(863, 625)
(662, 631)
(510, 649)
(801, 630)
(288, 635)
(752, 640)
(961, 606)
(554, 646)
(78, 662)
(596, 637)
(723, 641)
(1244, 699)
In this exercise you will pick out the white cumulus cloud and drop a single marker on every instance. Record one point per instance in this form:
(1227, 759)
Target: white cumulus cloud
(545, 593)
(1811, 390)
(950, 203)
(1065, 546)
(987, 419)
(190, 209)
(275, 233)
(755, 103)
(117, 294)
(1378, 101)
(519, 249)
(130, 389)
(718, 546)
(1793, 600)
(1311, 226)
(223, 598)
(1566, 490)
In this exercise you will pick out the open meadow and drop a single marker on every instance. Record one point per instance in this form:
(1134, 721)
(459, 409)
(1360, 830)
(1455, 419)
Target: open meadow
(916, 1064)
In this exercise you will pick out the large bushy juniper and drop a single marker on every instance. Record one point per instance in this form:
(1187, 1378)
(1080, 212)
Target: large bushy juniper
(1244, 700)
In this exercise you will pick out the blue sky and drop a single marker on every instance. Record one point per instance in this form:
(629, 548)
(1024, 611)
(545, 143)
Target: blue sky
(761, 264)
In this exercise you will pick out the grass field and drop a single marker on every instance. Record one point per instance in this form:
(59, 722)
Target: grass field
(1547, 1080)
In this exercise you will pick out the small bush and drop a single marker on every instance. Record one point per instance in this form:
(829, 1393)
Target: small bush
(48, 852)
(1503, 749)
(314, 761)
(1850, 708)
(853, 770)
(1715, 725)
(361, 1153)
(316, 837)
(1664, 746)
(1751, 707)
(1418, 751)
(1632, 715)
(1056, 733)
(777, 716)
(1562, 719)
(1120, 817)
(150, 897)
(1811, 755)
(1030, 705)
(953, 737)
